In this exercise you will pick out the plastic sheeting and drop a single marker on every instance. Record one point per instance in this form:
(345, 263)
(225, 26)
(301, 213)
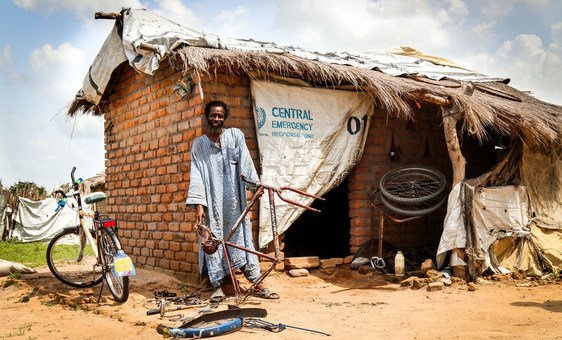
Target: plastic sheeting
(454, 231)
(308, 139)
(38, 221)
(141, 26)
(542, 174)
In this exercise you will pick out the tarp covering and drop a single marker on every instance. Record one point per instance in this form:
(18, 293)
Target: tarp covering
(38, 221)
(514, 227)
(141, 26)
(308, 139)
(542, 174)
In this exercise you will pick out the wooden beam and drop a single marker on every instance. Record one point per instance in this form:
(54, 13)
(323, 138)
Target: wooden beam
(104, 15)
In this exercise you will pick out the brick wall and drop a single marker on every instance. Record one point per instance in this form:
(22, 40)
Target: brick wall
(148, 162)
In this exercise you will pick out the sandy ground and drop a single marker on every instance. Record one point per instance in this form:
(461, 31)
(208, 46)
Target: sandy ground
(346, 304)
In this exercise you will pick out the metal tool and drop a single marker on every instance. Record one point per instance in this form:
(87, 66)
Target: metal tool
(165, 307)
(259, 323)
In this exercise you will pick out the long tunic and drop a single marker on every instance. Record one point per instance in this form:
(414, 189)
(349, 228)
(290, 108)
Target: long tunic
(215, 183)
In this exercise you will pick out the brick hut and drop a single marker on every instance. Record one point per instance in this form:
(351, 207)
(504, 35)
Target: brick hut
(152, 93)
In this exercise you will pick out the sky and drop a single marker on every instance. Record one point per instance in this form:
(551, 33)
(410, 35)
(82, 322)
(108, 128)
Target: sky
(47, 46)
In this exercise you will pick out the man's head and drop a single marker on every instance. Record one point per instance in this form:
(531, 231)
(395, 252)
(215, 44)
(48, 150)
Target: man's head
(216, 113)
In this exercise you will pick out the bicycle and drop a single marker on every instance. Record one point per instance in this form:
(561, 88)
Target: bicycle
(82, 256)
(210, 242)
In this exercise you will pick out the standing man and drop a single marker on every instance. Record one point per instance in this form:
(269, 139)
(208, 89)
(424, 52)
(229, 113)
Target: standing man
(218, 158)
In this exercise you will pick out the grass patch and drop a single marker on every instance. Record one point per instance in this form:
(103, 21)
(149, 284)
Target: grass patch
(34, 254)
(29, 254)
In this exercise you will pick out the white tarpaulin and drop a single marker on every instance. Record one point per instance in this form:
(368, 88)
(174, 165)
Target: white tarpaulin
(308, 139)
(38, 221)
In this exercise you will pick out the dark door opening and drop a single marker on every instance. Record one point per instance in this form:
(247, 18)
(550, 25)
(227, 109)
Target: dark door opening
(324, 234)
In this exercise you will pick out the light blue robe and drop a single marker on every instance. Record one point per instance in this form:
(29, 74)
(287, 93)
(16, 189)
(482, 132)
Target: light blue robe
(215, 183)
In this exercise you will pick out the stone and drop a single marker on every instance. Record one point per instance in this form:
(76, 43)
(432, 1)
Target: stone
(409, 282)
(305, 262)
(458, 280)
(358, 262)
(427, 265)
(472, 287)
(298, 272)
(433, 274)
(420, 283)
(348, 259)
(435, 286)
(330, 263)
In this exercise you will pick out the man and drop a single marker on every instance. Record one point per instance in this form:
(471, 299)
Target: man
(218, 158)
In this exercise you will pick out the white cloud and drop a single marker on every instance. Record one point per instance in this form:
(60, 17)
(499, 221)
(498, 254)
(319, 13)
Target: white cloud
(455, 13)
(58, 71)
(176, 11)
(528, 63)
(6, 56)
(368, 25)
(232, 23)
(84, 8)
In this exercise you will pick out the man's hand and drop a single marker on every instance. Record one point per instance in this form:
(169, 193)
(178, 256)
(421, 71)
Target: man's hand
(200, 215)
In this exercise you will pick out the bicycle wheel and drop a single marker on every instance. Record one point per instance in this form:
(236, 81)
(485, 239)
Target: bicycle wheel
(412, 185)
(108, 245)
(414, 210)
(206, 330)
(69, 264)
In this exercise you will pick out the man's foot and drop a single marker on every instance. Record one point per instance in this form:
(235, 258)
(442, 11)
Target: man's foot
(217, 295)
(265, 293)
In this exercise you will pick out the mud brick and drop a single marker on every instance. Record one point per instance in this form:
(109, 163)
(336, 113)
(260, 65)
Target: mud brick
(302, 262)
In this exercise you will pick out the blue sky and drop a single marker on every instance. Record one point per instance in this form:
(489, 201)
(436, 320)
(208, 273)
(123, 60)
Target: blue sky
(47, 46)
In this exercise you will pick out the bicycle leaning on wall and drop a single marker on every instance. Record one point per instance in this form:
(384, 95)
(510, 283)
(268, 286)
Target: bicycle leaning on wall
(86, 255)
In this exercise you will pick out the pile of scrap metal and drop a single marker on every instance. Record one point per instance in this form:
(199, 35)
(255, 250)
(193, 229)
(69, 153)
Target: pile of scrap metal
(509, 219)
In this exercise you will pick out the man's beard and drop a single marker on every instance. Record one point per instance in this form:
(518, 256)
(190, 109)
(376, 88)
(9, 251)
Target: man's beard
(216, 128)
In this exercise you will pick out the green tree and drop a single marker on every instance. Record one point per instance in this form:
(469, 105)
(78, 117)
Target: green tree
(28, 190)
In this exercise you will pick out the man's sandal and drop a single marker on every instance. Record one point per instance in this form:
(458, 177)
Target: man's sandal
(265, 293)
(218, 295)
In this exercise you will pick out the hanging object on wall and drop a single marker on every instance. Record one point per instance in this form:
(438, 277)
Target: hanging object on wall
(184, 87)
(394, 153)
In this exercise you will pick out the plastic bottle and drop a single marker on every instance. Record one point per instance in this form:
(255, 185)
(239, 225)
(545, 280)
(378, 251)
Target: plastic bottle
(399, 264)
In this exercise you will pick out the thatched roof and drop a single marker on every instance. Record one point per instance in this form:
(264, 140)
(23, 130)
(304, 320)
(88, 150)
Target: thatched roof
(493, 105)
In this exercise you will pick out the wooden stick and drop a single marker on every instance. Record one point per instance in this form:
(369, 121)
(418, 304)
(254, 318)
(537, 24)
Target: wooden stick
(104, 15)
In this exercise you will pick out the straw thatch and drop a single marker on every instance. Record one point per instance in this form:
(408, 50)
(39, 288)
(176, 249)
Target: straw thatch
(493, 106)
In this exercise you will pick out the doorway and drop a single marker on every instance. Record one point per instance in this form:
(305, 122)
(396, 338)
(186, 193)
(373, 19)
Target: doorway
(324, 234)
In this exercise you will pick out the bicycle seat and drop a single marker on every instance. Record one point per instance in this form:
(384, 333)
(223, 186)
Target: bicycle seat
(95, 197)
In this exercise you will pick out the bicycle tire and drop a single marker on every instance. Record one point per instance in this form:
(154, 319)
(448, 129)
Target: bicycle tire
(395, 187)
(228, 326)
(65, 263)
(414, 211)
(108, 245)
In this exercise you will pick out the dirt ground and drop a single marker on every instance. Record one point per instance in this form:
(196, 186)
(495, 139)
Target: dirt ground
(344, 303)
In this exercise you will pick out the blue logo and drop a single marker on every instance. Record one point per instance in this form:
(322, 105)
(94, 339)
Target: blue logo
(260, 114)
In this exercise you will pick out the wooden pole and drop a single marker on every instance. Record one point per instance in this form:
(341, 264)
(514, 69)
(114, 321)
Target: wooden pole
(104, 15)
(451, 116)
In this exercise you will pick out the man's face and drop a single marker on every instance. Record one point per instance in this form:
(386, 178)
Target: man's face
(216, 118)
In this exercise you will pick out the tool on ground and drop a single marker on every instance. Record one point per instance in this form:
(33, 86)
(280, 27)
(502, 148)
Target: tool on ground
(165, 306)
(232, 312)
(276, 328)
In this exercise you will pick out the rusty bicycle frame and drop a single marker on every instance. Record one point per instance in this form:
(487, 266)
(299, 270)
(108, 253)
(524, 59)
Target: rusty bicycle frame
(260, 189)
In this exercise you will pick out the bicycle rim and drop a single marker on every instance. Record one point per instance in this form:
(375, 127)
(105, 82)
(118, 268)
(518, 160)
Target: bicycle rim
(67, 264)
(412, 184)
(118, 285)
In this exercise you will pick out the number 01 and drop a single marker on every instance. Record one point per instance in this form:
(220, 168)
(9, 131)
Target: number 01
(354, 124)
